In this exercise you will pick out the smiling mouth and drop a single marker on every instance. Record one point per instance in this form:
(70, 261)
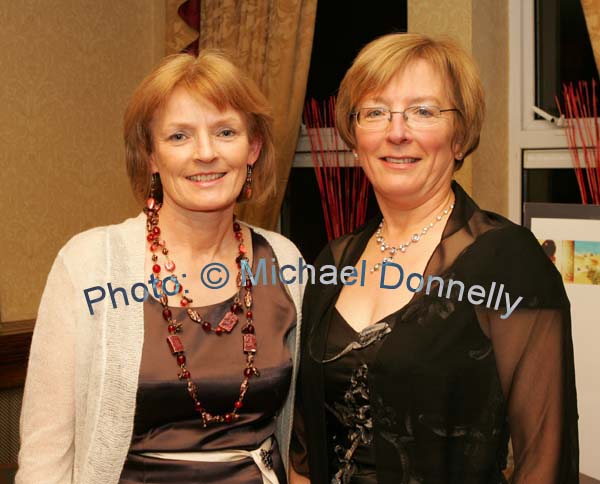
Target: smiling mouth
(206, 178)
(401, 161)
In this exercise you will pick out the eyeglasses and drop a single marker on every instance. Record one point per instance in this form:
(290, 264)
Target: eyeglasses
(376, 118)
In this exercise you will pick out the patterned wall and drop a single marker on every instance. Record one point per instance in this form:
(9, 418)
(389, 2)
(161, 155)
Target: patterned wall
(67, 71)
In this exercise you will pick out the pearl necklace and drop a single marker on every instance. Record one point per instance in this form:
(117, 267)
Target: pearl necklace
(393, 250)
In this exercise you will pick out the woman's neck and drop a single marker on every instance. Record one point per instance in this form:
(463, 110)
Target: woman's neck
(402, 220)
(192, 235)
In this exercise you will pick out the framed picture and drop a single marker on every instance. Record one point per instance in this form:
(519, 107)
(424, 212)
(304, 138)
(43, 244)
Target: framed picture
(570, 236)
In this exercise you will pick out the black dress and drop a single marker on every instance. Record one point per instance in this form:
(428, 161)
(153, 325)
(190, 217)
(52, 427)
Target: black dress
(453, 381)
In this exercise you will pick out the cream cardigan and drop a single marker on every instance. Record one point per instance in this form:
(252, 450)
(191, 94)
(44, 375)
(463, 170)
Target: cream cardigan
(82, 378)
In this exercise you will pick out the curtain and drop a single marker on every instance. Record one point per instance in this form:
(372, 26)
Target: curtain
(272, 41)
(591, 10)
(181, 26)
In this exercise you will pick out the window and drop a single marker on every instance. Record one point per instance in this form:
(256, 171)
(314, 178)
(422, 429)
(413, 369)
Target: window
(549, 44)
(340, 33)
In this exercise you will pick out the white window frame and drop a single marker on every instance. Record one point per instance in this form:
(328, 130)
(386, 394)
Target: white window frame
(525, 132)
(303, 157)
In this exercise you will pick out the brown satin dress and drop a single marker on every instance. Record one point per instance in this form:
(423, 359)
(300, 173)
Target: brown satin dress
(165, 420)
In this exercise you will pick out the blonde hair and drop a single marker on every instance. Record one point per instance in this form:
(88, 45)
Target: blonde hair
(383, 58)
(212, 77)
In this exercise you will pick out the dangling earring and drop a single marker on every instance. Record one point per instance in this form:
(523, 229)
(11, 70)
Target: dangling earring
(156, 188)
(248, 184)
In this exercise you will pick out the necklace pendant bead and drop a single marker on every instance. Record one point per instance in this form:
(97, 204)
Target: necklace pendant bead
(170, 266)
(218, 330)
(248, 329)
(180, 359)
(194, 316)
(206, 326)
(175, 344)
(156, 268)
(249, 343)
(166, 314)
(151, 203)
(248, 299)
(415, 237)
(184, 375)
(228, 322)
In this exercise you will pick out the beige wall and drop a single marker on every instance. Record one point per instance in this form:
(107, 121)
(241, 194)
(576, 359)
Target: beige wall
(67, 71)
(481, 27)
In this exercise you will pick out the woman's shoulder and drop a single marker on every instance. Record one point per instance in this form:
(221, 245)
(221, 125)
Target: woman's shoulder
(283, 247)
(347, 245)
(92, 244)
(509, 254)
(504, 237)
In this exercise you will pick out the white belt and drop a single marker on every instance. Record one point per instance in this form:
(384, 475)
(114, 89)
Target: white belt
(261, 456)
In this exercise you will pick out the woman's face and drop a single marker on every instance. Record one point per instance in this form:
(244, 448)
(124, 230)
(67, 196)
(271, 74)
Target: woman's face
(200, 152)
(403, 163)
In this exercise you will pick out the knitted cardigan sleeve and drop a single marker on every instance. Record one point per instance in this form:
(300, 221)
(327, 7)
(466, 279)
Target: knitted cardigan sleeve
(48, 412)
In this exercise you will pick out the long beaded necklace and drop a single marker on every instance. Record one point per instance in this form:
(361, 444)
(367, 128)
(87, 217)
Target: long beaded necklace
(225, 326)
(393, 250)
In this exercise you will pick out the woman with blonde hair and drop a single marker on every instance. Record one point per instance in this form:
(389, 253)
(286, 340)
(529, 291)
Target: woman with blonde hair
(153, 359)
(454, 332)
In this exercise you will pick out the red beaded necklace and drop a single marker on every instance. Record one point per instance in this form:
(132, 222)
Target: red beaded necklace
(225, 326)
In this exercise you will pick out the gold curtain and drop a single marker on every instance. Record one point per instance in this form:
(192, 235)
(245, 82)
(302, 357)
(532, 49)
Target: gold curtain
(177, 33)
(272, 41)
(591, 10)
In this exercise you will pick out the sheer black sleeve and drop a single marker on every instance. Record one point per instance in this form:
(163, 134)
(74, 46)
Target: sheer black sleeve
(534, 355)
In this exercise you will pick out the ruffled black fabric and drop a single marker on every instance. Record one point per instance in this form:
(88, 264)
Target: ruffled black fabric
(453, 381)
